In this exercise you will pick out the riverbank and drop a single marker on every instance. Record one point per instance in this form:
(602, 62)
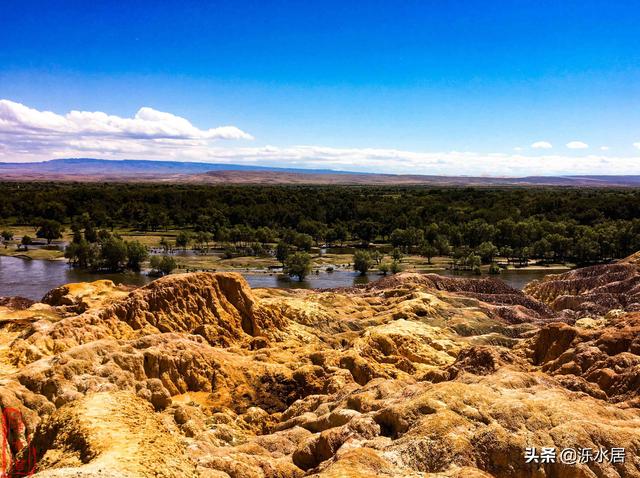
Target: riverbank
(189, 260)
(34, 278)
(33, 253)
(215, 259)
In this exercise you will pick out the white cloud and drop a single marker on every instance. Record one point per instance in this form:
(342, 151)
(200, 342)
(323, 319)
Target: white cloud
(577, 145)
(19, 123)
(637, 145)
(517, 148)
(604, 148)
(454, 163)
(542, 145)
(27, 134)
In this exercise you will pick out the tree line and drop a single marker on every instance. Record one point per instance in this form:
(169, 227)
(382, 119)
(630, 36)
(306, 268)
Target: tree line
(552, 224)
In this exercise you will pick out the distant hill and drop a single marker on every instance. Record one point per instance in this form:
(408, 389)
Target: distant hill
(312, 177)
(89, 169)
(84, 166)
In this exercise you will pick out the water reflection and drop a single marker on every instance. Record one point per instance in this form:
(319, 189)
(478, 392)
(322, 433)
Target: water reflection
(32, 279)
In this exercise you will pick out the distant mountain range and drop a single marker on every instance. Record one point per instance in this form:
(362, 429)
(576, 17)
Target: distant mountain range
(89, 169)
(83, 166)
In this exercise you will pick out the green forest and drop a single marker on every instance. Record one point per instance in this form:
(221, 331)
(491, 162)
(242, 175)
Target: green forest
(554, 224)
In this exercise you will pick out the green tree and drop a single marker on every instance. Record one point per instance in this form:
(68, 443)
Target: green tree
(487, 251)
(258, 250)
(162, 265)
(398, 238)
(298, 265)
(90, 233)
(50, 230)
(507, 251)
(282, 252)
(428, 250)
(377, 256)
(304, 242)
(77, 232)
(26, 241)
(136, 254)
(523, 255)
(82, 254)
(342, 233)
(460, 257)
(542, 249)
(165, 244)
(7, 235)
(113, 252)
(587, 248)
(54, 211)
(413, 237)
(183, 239)
(202, 239)
(559, 246)
(264, 235)
(103, 235)
(362, 262)
(366, 231)
(313, 228)
(330, 236)
(396, 255)
(405, 239)
(442, 245)
(473, 262)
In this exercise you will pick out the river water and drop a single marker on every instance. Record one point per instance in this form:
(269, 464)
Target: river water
(33, 278)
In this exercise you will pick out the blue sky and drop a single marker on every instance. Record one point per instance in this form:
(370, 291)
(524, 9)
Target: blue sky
(444, 87)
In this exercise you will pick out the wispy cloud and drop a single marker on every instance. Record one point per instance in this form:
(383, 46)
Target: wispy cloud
(542, 145)
(577, 145)
(637, 145)
(27, 134)
(441, 163)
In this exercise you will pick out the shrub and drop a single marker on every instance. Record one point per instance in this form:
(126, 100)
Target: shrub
(362, 262)
(162, 265)
(298, 265)
(396, 255)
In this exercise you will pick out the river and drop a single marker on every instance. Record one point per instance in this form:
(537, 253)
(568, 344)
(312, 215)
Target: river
(33, 278)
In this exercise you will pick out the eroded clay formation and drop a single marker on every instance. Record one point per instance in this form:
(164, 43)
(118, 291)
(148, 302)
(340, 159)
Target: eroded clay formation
(197, 375)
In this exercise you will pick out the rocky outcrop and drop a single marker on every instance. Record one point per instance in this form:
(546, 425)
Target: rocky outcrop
(500, 300)
(218, 306)
(599, 357)
(591, 290)
(197, 375)
(16, 303)
(109, 434)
